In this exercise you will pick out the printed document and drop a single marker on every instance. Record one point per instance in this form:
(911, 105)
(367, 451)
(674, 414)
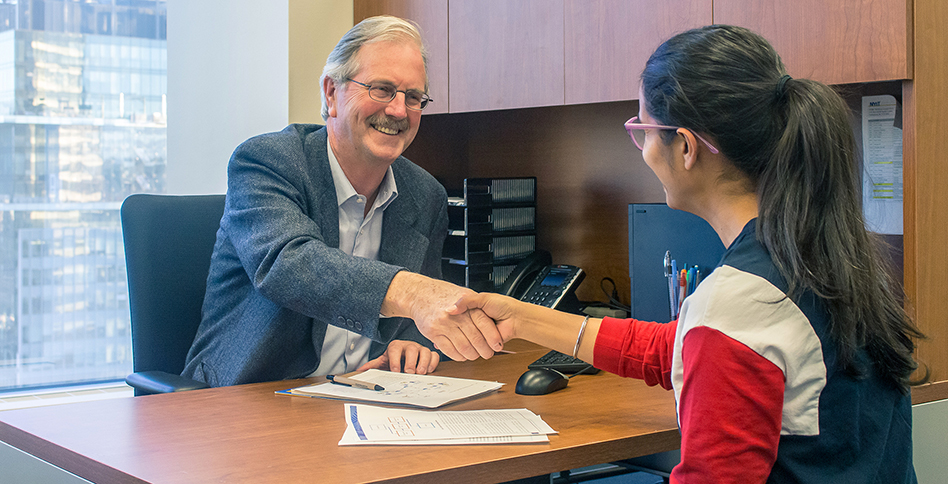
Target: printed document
(366, 424)
(882, 161)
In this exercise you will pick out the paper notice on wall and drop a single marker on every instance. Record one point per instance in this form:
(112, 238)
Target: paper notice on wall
(882, 165)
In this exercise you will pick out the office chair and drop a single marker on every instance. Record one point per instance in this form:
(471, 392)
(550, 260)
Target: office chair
(168, 245)
(658, 465)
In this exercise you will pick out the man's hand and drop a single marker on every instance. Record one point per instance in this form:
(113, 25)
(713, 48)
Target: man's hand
(407, 356)
(424, 300)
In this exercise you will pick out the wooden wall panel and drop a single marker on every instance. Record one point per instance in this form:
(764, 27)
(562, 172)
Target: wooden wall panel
(608, 41)
(926, 176)
(587, 168)
(833, 42)
(432, 17)
(505, 54)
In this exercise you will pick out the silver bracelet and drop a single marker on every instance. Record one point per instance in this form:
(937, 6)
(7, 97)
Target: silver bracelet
(579, 336)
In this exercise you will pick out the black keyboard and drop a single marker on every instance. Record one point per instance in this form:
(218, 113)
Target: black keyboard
(563, 364)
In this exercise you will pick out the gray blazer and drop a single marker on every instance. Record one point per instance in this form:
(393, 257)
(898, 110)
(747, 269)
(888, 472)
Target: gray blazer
(277, 277)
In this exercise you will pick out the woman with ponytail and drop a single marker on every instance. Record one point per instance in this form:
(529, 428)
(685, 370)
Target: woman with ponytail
(792, 360)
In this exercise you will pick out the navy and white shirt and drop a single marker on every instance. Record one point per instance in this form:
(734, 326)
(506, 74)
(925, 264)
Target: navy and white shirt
(760, 398)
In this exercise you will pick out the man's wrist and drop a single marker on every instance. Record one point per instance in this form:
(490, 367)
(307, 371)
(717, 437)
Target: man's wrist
(397, 299)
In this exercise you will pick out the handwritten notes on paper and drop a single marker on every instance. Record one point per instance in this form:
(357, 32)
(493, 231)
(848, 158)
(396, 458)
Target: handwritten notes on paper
(427, 391)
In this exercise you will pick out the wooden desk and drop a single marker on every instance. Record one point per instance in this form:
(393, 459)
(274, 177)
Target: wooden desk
(247, 433)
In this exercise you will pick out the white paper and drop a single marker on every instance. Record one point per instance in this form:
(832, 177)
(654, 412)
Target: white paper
(381, 424)
(428, 391)
(882, 165)
(351, 438)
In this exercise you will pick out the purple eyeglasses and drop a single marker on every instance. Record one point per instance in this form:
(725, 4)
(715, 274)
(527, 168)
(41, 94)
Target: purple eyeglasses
(637, 132)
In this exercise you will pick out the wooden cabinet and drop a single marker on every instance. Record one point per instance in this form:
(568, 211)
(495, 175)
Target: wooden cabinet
(835, 42)
(432, 18)
(505, 54)
(925, 168)
(533, 53)
(607, 43)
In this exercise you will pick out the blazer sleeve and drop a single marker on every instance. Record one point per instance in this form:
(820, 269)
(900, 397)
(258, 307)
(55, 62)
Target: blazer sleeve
(282, 219)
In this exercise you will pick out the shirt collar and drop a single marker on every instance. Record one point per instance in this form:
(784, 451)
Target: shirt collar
(345, 191)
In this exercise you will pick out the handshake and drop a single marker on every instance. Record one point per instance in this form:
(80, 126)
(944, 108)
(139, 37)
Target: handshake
(465, 325)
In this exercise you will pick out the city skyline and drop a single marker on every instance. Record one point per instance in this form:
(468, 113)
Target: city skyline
(82, 125)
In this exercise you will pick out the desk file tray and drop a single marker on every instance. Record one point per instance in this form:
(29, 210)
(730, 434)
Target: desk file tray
(480, 221)
(481, 278)
(485, 192)
(491, 227)
(488, 250)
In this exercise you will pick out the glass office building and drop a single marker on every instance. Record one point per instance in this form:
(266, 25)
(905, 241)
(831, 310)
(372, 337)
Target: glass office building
(82, 125)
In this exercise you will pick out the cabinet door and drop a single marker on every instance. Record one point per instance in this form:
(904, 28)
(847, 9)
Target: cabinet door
(505, 54)
(608, 41)
(832, 41)
(432, 17)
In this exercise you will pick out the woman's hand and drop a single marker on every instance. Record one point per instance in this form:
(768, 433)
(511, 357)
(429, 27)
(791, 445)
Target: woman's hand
(502, 310)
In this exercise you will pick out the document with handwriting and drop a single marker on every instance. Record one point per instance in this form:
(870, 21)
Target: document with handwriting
(426, 391)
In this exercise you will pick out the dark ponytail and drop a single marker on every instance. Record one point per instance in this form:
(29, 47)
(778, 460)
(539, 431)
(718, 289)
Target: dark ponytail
(793, 141)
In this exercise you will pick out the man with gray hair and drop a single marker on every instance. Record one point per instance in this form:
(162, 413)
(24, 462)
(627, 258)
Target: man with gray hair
(328, 257)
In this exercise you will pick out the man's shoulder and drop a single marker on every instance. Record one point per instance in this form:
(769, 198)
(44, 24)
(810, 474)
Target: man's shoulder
(300, 135)
(295, 142)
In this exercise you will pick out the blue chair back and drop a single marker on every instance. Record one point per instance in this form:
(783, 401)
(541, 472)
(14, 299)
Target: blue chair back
(168, 244)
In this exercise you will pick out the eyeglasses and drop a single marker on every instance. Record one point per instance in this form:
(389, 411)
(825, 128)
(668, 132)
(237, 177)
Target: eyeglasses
(637, 132)
(383, 93)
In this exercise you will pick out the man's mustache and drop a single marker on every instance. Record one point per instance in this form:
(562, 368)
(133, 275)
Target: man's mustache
(388, 122)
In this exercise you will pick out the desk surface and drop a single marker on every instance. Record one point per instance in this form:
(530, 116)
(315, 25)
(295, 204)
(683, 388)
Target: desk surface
(247, 433)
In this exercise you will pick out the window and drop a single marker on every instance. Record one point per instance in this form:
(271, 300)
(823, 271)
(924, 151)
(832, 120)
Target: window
(82, 126)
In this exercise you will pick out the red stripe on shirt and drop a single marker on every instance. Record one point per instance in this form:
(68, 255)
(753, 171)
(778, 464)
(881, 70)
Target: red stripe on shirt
(730, 410)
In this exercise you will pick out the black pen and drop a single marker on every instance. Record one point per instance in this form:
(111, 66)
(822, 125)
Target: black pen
(349, 382)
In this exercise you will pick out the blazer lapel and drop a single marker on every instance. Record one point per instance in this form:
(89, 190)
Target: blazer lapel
(402, 244)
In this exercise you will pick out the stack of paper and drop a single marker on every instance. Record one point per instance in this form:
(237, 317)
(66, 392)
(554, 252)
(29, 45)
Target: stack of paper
(369, 425)
(427, 391)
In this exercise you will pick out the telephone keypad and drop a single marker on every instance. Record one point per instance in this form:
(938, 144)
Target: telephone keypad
(547, 288)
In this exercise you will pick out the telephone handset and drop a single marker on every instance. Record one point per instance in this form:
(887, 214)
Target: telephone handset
(536, 280)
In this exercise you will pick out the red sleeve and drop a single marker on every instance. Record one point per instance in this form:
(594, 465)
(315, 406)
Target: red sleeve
(729, 410)
(637, 349)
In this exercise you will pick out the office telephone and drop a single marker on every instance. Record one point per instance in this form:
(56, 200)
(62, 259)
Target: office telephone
(537, 280)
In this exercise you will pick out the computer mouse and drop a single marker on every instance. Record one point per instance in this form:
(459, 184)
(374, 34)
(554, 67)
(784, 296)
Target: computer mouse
(540, 381)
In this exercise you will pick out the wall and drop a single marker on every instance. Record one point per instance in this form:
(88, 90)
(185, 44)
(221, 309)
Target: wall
(248, 67)
(315, 28)
(929, 441)
(227, 81)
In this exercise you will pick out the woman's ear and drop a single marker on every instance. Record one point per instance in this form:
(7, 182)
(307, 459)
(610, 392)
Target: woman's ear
(689, 147)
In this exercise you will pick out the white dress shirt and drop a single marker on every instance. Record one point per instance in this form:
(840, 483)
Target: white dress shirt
(344, 351)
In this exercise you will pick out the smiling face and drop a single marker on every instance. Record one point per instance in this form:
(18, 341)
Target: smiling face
(370, 133)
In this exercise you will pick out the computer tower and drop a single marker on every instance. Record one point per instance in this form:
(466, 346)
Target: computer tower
(654, 228)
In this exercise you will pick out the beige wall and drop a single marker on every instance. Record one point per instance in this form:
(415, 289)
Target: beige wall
(315, 27)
